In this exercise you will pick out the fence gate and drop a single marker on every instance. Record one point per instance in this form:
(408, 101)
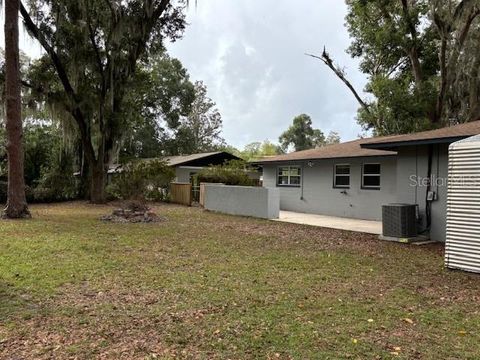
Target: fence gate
(181, 193)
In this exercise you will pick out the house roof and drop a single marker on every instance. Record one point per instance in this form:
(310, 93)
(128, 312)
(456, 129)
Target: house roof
(444, 135)
(184, 159)
(193, 160)
(343, 150)
(201, 159)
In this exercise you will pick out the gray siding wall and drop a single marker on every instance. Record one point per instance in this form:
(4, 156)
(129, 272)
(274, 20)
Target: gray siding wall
(320, 197)
(183, 174)
(243, 200)
(412, 166)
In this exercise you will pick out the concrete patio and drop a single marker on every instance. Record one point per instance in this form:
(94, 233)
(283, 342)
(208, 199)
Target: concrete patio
(365, 226)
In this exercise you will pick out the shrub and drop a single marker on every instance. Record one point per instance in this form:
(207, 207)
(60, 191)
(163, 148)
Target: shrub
(234, 172)
(142, 180)
(57, 183)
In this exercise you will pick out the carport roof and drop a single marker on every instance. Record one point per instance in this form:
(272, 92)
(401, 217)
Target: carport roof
(194, 160)
(348, 149)
(444, 135)
(187, 159)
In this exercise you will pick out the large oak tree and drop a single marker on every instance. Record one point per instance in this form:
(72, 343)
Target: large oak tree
(421, 58)
(94, 48)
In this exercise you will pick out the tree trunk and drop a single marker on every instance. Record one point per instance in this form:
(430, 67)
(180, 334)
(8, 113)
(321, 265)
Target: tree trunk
(16, 199)
(97, 183)
(416, 66)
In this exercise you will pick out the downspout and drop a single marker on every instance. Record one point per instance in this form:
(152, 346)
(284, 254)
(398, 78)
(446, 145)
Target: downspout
(302, 175)
(416, 175)
(428, 203)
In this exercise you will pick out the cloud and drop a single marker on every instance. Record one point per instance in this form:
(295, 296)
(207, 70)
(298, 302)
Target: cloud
(250, 54)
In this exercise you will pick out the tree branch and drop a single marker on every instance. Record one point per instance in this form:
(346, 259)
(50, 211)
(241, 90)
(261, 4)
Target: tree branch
(446, 66)
(325, 58)
(35, 32)
(62, 74)
(412, 51)
(91, 33)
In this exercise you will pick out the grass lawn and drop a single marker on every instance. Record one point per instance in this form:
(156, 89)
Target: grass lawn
(204, 285)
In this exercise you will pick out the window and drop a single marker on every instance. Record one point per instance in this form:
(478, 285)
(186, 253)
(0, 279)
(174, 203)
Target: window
(371, 176)
(342, 176)
(288, 176)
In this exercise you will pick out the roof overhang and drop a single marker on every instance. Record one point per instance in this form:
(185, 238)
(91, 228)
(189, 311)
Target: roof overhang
(190, 167)
(266, 162)
(392, 145)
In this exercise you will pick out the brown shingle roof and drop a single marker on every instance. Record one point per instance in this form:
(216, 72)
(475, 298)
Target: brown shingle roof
(444, 135)
(343, 150)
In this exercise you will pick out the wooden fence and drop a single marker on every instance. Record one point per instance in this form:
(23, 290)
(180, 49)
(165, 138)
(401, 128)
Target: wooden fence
(181, 193)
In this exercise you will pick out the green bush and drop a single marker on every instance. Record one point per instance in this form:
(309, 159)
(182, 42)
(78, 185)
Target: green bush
(57, 183)
(142, 180)
(233, 172)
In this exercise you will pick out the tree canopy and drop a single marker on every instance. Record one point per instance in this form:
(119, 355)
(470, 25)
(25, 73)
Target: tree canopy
(258, 149)
(200, 130)
(422, 61)
(160, 97)
(196, 126)
(302, 136)
(164, 112)
(93, 48)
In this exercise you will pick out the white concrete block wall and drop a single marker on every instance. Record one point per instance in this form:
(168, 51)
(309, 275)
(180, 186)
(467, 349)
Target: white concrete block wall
(258, 202)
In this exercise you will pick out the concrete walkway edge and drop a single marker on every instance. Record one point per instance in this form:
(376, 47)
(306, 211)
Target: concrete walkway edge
(333, 222)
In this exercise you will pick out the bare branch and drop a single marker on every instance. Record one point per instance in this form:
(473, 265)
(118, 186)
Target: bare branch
(325, 58)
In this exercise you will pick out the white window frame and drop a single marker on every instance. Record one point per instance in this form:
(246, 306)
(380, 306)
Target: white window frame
(290, 176)
(335, 175)
(372, 187)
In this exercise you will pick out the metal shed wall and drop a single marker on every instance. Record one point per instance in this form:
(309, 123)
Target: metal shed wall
(462, 247)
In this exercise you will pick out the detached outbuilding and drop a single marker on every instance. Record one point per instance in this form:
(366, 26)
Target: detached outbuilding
(187, 165)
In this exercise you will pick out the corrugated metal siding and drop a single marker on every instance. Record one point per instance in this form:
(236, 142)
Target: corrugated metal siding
(462, 247)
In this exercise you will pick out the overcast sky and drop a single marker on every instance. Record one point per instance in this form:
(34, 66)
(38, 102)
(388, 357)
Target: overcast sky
(250, 54)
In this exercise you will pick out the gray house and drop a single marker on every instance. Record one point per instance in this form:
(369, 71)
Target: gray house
(343, 180)
(421, 156)
(354, 179)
